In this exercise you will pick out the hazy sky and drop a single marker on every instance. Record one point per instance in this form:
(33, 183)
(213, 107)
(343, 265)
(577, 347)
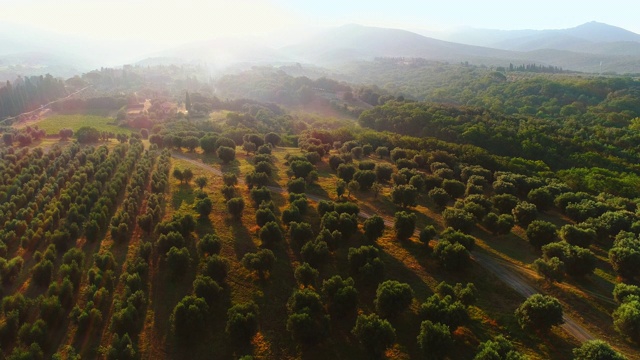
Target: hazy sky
(176, 21)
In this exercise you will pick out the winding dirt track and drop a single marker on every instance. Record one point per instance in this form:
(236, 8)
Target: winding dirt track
(510, 277)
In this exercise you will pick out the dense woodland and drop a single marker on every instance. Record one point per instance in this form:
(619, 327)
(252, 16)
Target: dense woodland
(239, 227)
(28, 93)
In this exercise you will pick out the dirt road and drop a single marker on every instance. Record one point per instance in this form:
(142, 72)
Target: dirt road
(510, 277)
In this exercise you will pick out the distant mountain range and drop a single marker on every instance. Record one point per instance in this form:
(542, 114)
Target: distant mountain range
(591, 47)
(583, 48)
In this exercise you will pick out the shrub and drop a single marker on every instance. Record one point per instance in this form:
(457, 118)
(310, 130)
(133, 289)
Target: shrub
(315, 252)
(626, 319)
(270, 234)
(540, 233)
(365, 261)
(622, 291)
(306, 275)
(226, 154)
(341, 294)
(458, 219)
(540, 313)
(207, 288)
(209, 244)
(216, 267)
(596, 350)
(524, 213)
(439, 197)
(434, 340)
(404, 225)
(242, 321)
(393, 298)
(452, 256)
(296, 186)
(404, 195)
(375, 334)
(374, 228)
(300, 232)
(444, 310)
(178, 261)
(497, 349)
(188, 318)
(261, 261)
(235, 207)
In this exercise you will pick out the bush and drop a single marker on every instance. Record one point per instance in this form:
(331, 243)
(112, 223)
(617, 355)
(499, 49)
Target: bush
(452, 256)
(524, 213)
(540, 233)
(270, 234)
(404, 195)
(272, 138)
(375, 334)
(209, 244)
(404, 225)
(188, 318)
(374, 228)
(455, 236)
(204, 207)
(365, 178)
(296, 186)
(229, 179)
(622, 291)
(225, 142)
(383, 172)
(242, 321)
(444, 310)
(301, 169)
(315, 252)
(454, 188)
(540, 313)
(306, 275)
(216, 267)
(576, 235)
(300, 232)
(264, 216)
(307, 321)
(504, 203)
(226, 154)
(341, 294)
(261, 261)
(439, 197)
(87, 134)
(551, 269)
(393, 298)
(497, 349)
(626, 319)
(596, 350)
(458, 219)
(346, 172)
(434, 340)
(427, 234)
(207, 288)
(178, 261)
(365, 261)
(235, 207)
(578, 261)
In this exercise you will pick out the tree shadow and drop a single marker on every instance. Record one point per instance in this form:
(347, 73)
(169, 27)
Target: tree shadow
(242, 238)
(276, 291)
(184, 194)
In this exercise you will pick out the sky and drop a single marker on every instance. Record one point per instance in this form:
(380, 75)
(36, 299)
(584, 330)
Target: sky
(172, 22)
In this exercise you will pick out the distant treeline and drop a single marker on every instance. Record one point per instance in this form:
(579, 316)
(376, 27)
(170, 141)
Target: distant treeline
(28, 93)
(532, 68)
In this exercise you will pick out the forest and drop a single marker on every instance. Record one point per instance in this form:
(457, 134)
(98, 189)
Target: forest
(481, 214)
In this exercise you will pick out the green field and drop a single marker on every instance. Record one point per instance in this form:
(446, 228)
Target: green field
(54, 123)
